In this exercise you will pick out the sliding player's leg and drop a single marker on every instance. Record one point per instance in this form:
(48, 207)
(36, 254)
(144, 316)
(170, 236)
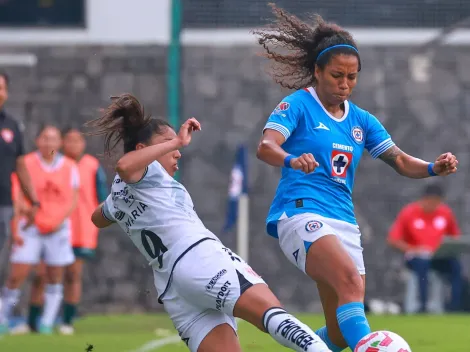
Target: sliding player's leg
(223, 282)
(259, 306)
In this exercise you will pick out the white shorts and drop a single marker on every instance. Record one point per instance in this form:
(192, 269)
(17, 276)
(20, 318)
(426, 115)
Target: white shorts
(206, 285)
(299, 231)
(55, 248)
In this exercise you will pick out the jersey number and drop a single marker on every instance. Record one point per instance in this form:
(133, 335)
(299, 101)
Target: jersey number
(149, 240)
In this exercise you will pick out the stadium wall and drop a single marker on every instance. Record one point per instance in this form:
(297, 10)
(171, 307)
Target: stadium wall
(424, 102)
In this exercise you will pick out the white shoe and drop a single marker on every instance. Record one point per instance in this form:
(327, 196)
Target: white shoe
(21, 329)
(66, 330)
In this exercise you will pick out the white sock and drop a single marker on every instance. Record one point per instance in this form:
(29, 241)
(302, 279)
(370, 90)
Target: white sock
(52, 301)
(291, 332)
(9, 299)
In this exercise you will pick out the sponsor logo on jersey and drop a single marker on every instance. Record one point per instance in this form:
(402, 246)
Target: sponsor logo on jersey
(138, 210)
(313, 225)
(119, 215)
(283, 106)
(347, 148)
(357, 134)
(7, 135)
(340, 161)
(321, 126)
(291, 331)
(214, 280)
(222, 295)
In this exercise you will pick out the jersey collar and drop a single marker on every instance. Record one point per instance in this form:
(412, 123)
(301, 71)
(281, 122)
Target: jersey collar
(312, 91)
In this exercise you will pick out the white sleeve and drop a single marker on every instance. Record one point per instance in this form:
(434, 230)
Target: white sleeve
(152, 177)
(75, 179)
(107, 209)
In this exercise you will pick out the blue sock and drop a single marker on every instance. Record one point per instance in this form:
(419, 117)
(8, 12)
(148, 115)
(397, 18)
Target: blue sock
(352, 322)
(323, 334)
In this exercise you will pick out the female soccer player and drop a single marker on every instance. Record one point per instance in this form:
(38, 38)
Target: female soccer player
(317, 136)
(55, 179)
(93, 191)
(201, 283)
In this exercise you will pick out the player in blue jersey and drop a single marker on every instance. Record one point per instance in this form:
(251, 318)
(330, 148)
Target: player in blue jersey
(317, 137)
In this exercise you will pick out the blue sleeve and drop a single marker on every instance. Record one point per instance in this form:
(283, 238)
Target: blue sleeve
(106, 209)
(285, 116)
(101, 185)
(377, 138)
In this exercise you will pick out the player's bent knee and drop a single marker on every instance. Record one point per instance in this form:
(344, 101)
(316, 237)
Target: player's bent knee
(350, 286)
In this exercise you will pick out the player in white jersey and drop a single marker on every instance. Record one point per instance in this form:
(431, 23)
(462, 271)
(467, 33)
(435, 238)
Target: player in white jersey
(202, 284)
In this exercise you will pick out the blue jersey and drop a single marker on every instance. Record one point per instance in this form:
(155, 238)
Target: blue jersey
(337, 145)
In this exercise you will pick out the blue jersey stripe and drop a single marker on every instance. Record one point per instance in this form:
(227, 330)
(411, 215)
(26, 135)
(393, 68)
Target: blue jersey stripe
(278, 127)
(382, 147)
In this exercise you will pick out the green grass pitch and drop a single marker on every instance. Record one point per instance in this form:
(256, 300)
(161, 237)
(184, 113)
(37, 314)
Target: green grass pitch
(131, 332)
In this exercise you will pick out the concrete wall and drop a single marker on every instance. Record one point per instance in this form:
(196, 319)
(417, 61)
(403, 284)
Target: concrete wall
(228, 90)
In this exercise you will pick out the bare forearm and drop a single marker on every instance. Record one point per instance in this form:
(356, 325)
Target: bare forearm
(25, 181)
(271, 153)
(412, 167)
(405, 164)
(138, 160)
(98, 220)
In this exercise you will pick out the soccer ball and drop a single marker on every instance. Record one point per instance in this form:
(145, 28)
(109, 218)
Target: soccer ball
(382, 341)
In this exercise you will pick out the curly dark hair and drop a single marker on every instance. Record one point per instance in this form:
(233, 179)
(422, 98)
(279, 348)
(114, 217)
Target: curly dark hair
(303, 42)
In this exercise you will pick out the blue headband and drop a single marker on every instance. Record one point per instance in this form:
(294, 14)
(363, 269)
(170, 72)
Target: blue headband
(337, 46)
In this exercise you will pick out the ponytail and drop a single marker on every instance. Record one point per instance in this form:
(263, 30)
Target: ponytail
(125, 120)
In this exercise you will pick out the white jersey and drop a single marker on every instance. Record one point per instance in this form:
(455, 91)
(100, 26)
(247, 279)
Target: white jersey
(158, 215)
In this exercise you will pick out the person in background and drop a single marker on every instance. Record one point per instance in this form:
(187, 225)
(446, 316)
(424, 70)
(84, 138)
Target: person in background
(55, 178)
(418, 232)
(93, 191)
(11, 159)
(84, 239)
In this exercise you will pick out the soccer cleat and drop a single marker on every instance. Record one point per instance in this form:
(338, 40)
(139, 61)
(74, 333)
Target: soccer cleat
(45, 330)
(66, 330)
(21, 329)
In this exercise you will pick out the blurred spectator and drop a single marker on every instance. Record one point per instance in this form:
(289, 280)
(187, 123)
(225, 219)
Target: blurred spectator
(11, 158)
(56, 181)
(418, 232)
(93, 191)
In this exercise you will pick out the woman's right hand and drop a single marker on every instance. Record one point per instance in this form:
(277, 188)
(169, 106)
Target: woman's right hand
(306, 162)
(185, 132)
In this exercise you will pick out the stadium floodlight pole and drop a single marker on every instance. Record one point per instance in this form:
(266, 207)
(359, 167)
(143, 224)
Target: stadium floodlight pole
(173, 74)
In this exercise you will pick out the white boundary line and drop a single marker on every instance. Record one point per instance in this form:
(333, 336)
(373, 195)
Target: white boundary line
(364, 36)
(159, 343)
